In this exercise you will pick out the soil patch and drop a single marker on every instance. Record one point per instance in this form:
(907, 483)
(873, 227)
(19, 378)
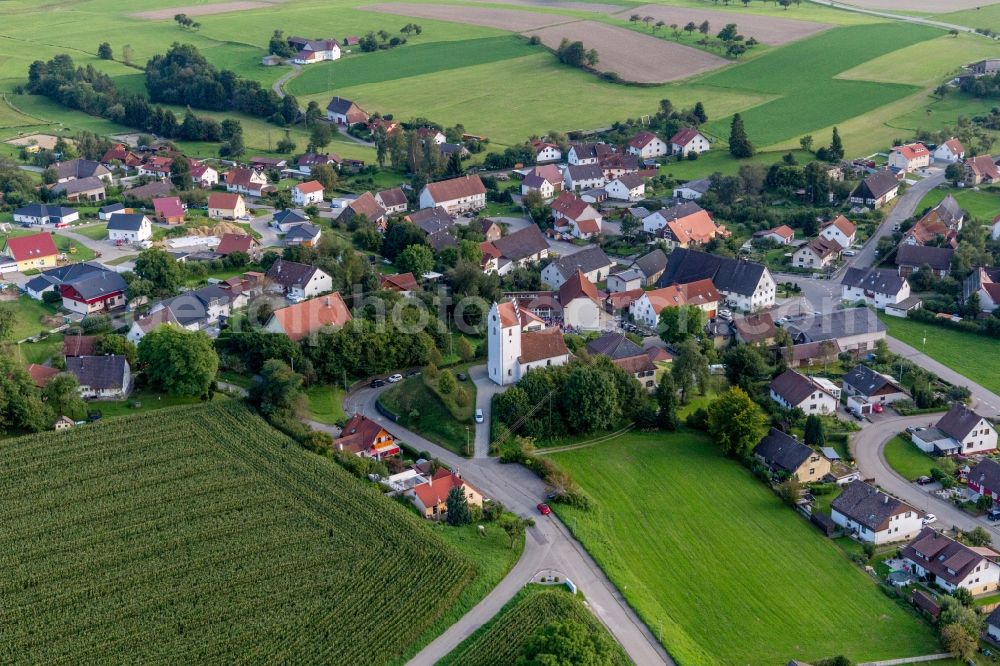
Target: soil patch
(504, 19)
(766, 29)
(557, 4)
(931, 6)
(43, 141)
(632, 55)
(202, 10)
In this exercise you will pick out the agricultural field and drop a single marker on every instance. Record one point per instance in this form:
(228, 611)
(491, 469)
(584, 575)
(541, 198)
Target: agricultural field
(906, 459)
(982, 204)
(199, 534)
(707, 558)
(500, 641)
(973, 356)
(977, 16)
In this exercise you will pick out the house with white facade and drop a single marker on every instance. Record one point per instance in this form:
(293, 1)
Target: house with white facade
(518, 341)
(949, 564)
(839, 229)
(242, 180)
(101, 377)
(594, 263)
(701, 294)
(874, 286)
(298, 281)
(871, 516)
(909, 157)
(458, 195)
(579, 177)
(793, 390)
(782, 235)
(38, 214)
(307, 193)
(129, 227)
(588, 153)
(627, 187)
(746, 285)
(688, 140)
(872, 387)
(311, 51)
(951, 151)
(571, 214)
(545, 152)
(647, 146)
(817, 253)
(960, 430)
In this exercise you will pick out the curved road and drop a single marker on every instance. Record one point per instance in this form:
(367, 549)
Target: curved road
(279, 85)
(548, 545)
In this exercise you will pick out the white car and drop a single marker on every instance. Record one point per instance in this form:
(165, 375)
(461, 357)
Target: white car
(395, 378)
(929, 518)
(849, 253)
(479, 416)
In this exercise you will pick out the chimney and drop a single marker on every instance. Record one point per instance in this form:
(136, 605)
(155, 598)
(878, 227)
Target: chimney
(430, 480)
(885, 499)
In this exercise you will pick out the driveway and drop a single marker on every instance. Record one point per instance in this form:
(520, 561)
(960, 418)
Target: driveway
(268, 236)
(548, 545)
(108, 250)
(562, 248)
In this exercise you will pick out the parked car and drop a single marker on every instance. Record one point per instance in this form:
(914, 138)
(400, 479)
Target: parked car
(377, 383)
(993, 515)
(479, 416)
(929, 518)
(544, 509)
(395, 378)
(413, 372)
(849, 253)
(924, 480)
(878, 408)
(461, 376)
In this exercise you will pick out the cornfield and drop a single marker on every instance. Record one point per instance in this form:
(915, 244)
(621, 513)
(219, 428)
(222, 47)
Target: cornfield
(201, 535)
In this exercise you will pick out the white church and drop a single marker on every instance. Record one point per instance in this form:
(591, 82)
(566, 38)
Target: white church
(519, 341)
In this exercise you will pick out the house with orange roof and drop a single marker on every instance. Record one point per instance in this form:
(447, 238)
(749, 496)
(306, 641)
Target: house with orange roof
(242, 180)
(366, 438)
(782, 235)
(307, 193)
(909, 157)
(575, 216)
(700, 293)
(518, 341)
(839, 229)
(981, 169)
(431, 498)
(23, 253)
(41, 374)
(683, 225)
(617, 303)
(402, 283)
(951, 151)
(156, 166)
(545, 151)
(203, 175)
(367, 208)
(222, 206)
(688, 140)
(647, 146)
(300, 320)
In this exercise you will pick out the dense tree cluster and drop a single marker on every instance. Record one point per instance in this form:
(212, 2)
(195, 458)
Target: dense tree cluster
(575, 54)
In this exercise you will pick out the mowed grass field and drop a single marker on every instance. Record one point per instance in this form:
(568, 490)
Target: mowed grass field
(201, 535)
(982, 204)
(906, 459)
(974, 356)
(717, 567)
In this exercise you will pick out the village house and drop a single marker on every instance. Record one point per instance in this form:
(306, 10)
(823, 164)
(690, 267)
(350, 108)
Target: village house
(984, 479)
(305, 234)
(782, 235)
(984, 282)
(150, 191)
(755, 329)
(746, 285)
(545, 152)
(120, 154)
(574, 216)
(950, 565)
(366, 208)
(913, 258)
(625, 280)
(91, 291)
(345, 112)
(951, 151)
(518, 341)
(141, 326)
(872, 387)
(993, 619)
(817, 253)
(533, 182)
(438, 225)
(431, 498)
(793, 390)
(683, 225)
(871, 516)
(693, 189)
(701, 294)
(651, 265)
(203, 175)
(618, 164)
(490, 229)
(580, 304)
(104, 213)
(592, 260)
(132, 228)
(841, 230)
(37, 214)
(876, 189)
(169, 210)
(80, 345)
(101, 377)
(314, 50)
(25, 253)
(628, 356)
(688, 140)
(588, 153)
(226, 206)
(285, 220)
(874, 286)
(41, 375)
(366, 438)
(627, 187)
(244, 243)
(465, 194)
(392, 200)
(580, 177)
(943, 221)
(156, 166)
(647, 146)
(83, 189)
(787, 457)
(307, 193)
(853, 329)
(301, 320)
(307, 161)
(298, 281)
(78, 169)
(401, 283)
(242, 180)
(981, 170)
(960, 430)
(909, 157)
(521, 248)
(199, 309)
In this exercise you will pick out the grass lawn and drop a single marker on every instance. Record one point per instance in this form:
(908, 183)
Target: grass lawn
(28, 315)
(122, 260)
(42, 351)
(433, 420)
(74, 250)
(501, 640)
(983, 204)
(326, 404)
(148, 401)
(906, 459)
(973, 356)
(92, 231)
(718, 568)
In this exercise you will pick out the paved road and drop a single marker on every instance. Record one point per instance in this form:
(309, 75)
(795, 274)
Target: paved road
(548, 547)
(109, 251)
(268, 235)
(984, 400)
(279, 85)
(899, 17)
(562, 248)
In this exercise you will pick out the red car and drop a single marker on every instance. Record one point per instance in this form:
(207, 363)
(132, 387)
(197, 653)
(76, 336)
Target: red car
(544, 509)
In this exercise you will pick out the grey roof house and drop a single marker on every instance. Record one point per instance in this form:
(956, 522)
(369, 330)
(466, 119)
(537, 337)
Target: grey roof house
(107, 377)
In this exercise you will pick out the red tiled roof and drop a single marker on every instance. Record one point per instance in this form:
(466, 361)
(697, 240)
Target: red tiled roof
(642, 139)
(700, 292)
(223, 200)
(309, 187)
(168, 207)
(435, 492)
(301, 319)
(623, 299)
(456, 188)
(539, 345)
(41, 375)
(358, 435)
(955, 146)
(912, 150)
(35, 246)
(697, 227)
(235, 243)
(684, 136)
(400, 282)
(784, 231)
(79, 345)
(845, 226)
(577, 286)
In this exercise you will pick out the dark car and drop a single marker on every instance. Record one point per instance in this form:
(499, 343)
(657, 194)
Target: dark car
(413, 372)
(993, 515)
(461, 376)
(924, 480)
(377, 383)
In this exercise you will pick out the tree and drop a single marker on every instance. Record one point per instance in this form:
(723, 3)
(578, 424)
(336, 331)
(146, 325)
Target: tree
(513, 526)
(279, 388)
(704, 28)
(957, 640)
(179, 362)
(806, 143)
(735, 422)
(954, 172)
(690, 27)
(320, 136)
(815, 434)
(279, 46)
(160, 269)
(117, 345)
(104, 51)
(314, 114)
(699, 113)
(416, 259)
(666, 401)
(231, 133)
(8, 320)
(128, 54)
(745, 367)
(326, 175)
(285, 144)
(790, 490)
(447, 383)
(465, 350)
(458, 507)
(728, 33)
(180, 173)
(564, 643)
(62, 395)
(677, 324)
(836, 150)
(978, 537)
(689, 369)
(739, 144)
(21, 408)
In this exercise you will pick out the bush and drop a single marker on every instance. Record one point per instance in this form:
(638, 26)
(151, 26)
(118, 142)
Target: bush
(52, 297)
(698, 419)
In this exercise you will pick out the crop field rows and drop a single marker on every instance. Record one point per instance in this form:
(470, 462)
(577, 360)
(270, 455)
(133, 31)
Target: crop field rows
(214, 539)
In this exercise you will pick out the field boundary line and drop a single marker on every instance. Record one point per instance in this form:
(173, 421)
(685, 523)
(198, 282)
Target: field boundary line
(583, 445)
(908, 660)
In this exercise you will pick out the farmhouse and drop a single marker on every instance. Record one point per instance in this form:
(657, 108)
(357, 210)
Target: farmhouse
(431, 498)
(393, 200)
(851, 329)
(298, 281)
(301, 320)
(246, 181)
(464, 194)
(169, 210)
(79, 169)
(913, 258)
(981, 170)
(438, 225)
(627, 187)
(628, 356)
(817, 253)
(874, 517)
(874, 286)
(700, 293)
(366, 438)
(575, 216)
(83, 189)
(745, 284)
(876, 190)
(120, 154)
(591, 260)
(101, 377)
(523, 247)
(314, 50)
(30, 252)
(306, 161)
(132, 228)
(345, 112)
(518, 341)
(647, 146)
(230, 243)
(872, 387)
(960, 430)
(951, 151)
(307, 193)
(793, 390)
(944, 562)
(580, 177)
(786, 456)
(36, 214)
(545, 152)
(909, 157)
(149, 191)
(367, 208)
(90, 291)
(588, 153)
(688, 140)
(226, 206)
(782, 235)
